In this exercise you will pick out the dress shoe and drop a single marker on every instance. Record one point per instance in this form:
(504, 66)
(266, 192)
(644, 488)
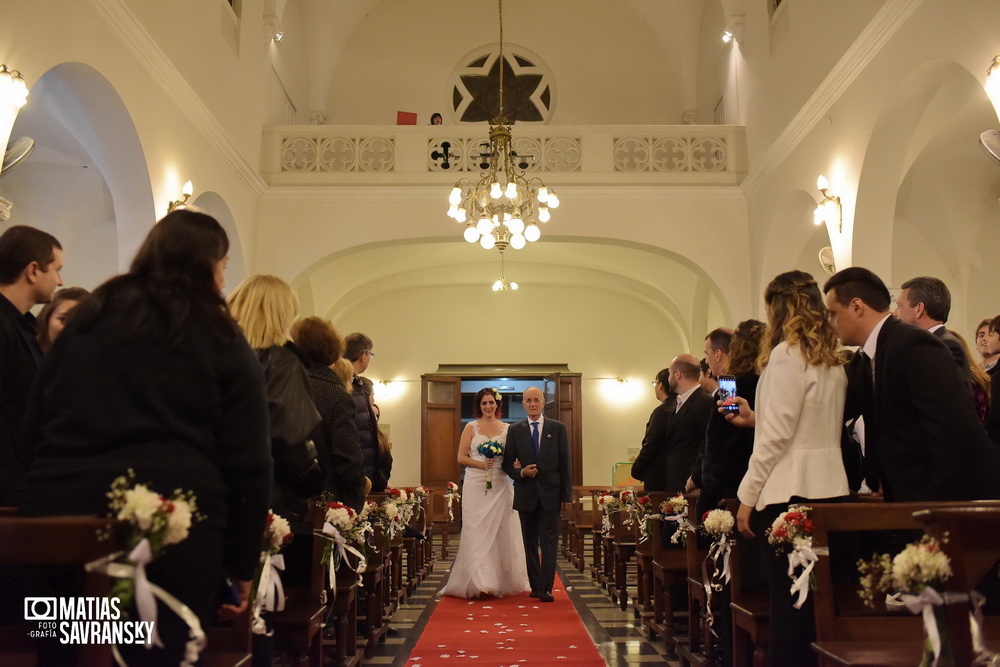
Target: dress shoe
(534, 594)
(545, 597)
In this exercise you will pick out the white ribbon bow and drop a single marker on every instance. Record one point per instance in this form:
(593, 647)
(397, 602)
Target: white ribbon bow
(720, 551)
(682, 525)
(141, 556)
(145, 603)
(270, 593)
(341, 548)
(802, 555)
(924, 604)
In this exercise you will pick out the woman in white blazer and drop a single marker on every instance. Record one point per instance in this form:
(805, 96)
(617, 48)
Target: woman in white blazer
(799, 415)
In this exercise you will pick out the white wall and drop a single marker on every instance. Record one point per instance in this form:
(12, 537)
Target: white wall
(598, 333)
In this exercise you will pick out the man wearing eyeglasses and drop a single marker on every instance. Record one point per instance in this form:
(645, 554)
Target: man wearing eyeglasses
(359, 353)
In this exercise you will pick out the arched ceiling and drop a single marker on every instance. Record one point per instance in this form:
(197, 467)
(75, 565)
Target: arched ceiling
(668, 283)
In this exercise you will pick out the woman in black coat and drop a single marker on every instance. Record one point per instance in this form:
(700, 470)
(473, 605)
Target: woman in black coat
(337, 444)
(153, 375)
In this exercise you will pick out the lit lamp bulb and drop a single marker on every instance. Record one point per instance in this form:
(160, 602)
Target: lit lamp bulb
(455, 198)
(532, 233)
(487, 241)
(543, 214)
(497, 286)
(517, 241)
(543, 194)
(553, 200)
(515, 225)
(513, 285)
(993, 83)
(495, 191)
(471, 234)
(461, 215)
(822, 183)
(511, 190)
(188, 189)
(453, 211)
(819, 215)
(727, 37)
(12, 87)
(485, 226)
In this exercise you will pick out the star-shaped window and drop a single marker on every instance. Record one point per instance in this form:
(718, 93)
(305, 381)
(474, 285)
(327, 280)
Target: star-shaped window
(527, 89)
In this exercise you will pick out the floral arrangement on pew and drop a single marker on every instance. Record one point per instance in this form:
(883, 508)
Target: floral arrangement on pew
(638, 508)
(791, 533)
(491, 450)
(154, 523)
(450, 496)
(676, 509)
(717, 525)
(342, 528)
(915, 574)
(609, 502)
(405, 507)
(269, 594)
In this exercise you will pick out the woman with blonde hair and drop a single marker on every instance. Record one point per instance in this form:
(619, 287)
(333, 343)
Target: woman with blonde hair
(265, 307)
(796, 452)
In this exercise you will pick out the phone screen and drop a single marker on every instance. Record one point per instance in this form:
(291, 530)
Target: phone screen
(727, 390)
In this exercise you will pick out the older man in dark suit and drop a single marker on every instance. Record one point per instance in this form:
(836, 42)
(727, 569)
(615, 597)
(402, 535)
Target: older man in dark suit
(922, 436)
(926, 302)
(537, 459)
(685, 432)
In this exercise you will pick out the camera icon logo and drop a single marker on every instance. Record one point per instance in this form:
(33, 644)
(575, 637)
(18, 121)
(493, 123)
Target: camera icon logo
(40, 609)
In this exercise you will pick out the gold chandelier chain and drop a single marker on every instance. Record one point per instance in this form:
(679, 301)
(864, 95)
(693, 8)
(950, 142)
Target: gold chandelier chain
(500, 2)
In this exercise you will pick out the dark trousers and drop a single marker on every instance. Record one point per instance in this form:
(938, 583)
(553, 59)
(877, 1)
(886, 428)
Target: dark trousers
(540, 532)
(792, 630)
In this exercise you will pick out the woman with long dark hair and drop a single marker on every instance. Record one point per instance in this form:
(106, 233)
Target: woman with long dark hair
(796, 451)
(153, 375)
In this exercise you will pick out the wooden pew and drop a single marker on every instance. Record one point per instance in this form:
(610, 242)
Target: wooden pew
(669, 566)
(372, 605)
(440, 522)
(580, 521)
(623, 544)
(699, 649)
(970, 536)
(29, 541)
(597, 533)
(847, 632)
(749, 607)
(642, 602)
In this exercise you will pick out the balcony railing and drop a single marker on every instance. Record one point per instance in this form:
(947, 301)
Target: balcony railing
(372, 154)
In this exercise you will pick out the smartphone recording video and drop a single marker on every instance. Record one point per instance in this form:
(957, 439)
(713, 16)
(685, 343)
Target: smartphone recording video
(727, 393)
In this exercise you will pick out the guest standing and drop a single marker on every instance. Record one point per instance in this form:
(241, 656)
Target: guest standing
(796, 450)
(337, 446)
(55, 315)
(650, 466)
(30, 262)
(153, 375)
(359, 353)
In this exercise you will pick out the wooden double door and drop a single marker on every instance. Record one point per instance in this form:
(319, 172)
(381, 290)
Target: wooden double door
(441, 414)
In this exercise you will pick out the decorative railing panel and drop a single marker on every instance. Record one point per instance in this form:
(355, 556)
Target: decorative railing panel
(683, 154)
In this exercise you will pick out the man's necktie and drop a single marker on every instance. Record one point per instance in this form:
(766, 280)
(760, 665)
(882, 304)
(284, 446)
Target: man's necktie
(534, 435)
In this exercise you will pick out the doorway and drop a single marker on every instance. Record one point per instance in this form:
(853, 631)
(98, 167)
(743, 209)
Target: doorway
(446, 407)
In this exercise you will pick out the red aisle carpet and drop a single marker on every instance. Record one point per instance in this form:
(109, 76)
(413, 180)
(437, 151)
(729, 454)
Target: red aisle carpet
(516, 630)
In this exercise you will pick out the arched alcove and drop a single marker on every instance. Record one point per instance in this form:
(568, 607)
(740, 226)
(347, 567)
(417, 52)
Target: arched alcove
(87, 181)
(213, 204)
(793, 233)
(927, 192)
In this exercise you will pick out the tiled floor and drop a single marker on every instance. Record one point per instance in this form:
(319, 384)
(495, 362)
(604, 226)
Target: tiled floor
(619, 640)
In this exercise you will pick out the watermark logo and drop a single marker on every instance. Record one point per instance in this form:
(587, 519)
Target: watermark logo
(84, 620)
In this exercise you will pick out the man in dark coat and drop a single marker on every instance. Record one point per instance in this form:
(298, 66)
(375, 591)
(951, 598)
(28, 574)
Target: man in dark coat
(650, 465)
(926, 302)
(685, 433)
(359, 353)
(537, 459)
(30, 262)
(923, 439)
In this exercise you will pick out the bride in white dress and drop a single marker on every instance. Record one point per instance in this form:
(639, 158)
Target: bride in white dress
(490, 559)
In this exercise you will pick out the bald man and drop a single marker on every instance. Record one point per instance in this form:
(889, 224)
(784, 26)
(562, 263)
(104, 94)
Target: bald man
(542, 480)
(686, 430)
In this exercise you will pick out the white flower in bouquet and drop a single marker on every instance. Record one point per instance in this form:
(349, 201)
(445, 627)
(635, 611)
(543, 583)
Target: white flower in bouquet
(366, 510)
(676, 505)
(277, 532)
(452, 487)
(140, 505)
(339, 516)
(920, 564)
(178, 521)
(391, 511)
(402, 496)
(718, 522)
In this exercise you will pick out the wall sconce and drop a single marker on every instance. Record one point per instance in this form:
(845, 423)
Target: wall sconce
(621, 390)
(727, 37)
(734, 32)
(993, 82)
(829, 209)
(13, 90)
(187, 191)
(388, 390)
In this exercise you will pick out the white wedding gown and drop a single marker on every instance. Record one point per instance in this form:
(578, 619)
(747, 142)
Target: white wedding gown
(490, 557)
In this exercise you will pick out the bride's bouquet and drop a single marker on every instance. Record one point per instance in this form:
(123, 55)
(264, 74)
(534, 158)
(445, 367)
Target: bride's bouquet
(490, 450)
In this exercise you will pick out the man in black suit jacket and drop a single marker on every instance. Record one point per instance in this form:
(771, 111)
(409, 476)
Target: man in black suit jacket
(30, 262)
(685, 432)
(537, 459)
(923, 439)
(926, 302)
(650, 465)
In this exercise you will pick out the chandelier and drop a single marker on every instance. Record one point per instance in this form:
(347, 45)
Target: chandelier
(503, 285)
(504, 207)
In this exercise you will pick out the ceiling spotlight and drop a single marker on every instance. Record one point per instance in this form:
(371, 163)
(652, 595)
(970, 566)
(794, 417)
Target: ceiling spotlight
(727, 36)
(278, 36)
